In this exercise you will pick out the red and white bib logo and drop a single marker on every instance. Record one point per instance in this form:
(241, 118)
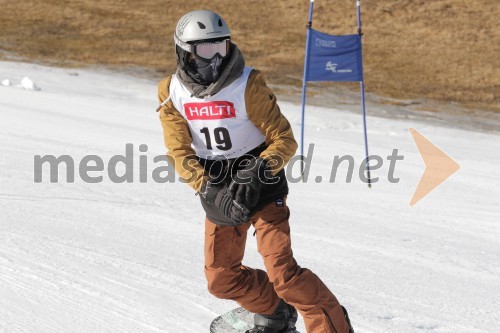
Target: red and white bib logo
(209, 110)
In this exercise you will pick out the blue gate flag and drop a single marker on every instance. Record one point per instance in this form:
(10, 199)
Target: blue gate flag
(334, 58)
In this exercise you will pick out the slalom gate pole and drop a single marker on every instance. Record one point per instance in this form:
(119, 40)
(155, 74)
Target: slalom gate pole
(362, 89)
(304, 84)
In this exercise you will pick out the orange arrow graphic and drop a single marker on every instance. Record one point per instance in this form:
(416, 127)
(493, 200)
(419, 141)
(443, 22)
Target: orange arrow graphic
(438, 166)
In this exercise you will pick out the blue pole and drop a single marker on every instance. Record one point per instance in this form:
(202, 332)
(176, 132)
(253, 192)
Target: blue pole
(362, 89)
(304, 84)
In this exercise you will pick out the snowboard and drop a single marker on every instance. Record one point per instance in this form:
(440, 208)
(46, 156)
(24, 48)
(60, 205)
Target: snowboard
(235, 321)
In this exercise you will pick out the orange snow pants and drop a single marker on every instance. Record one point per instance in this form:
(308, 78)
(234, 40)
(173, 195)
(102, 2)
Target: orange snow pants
(258, 291)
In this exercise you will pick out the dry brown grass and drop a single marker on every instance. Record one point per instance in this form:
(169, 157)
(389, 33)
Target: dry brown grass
(441, 49)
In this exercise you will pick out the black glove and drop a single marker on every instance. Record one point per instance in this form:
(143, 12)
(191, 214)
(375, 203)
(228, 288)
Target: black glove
(218, 195)
(247, 182)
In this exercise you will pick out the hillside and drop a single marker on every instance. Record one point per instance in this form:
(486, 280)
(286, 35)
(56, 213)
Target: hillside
(128, 257)
(442, 49)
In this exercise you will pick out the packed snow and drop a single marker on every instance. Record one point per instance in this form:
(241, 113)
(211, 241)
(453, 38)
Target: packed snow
(128, 257)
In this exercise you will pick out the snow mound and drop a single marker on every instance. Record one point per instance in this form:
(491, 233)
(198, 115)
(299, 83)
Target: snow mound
(28, 84)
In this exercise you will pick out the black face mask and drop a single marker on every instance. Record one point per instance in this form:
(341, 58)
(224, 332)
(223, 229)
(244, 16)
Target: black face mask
(207, 71)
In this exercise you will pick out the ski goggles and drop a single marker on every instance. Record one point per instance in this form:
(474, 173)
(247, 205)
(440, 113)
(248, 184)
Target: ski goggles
(204, 49)
(207, 50)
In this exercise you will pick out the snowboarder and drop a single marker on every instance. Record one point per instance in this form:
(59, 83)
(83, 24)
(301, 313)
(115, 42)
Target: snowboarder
(229, 141)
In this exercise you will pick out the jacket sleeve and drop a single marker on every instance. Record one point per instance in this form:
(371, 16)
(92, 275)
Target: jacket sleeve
(178, 140)
(264, 112)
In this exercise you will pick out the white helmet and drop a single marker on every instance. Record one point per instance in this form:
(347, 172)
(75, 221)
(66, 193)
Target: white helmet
(202, 43)
(199, 25)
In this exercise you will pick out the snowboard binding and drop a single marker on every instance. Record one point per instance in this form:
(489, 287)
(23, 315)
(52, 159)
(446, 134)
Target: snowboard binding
(283, 320)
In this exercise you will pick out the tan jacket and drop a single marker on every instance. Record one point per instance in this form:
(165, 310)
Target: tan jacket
(262, 110)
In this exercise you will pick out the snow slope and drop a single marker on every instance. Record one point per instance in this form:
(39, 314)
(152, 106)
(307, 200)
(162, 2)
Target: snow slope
(106, 257)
